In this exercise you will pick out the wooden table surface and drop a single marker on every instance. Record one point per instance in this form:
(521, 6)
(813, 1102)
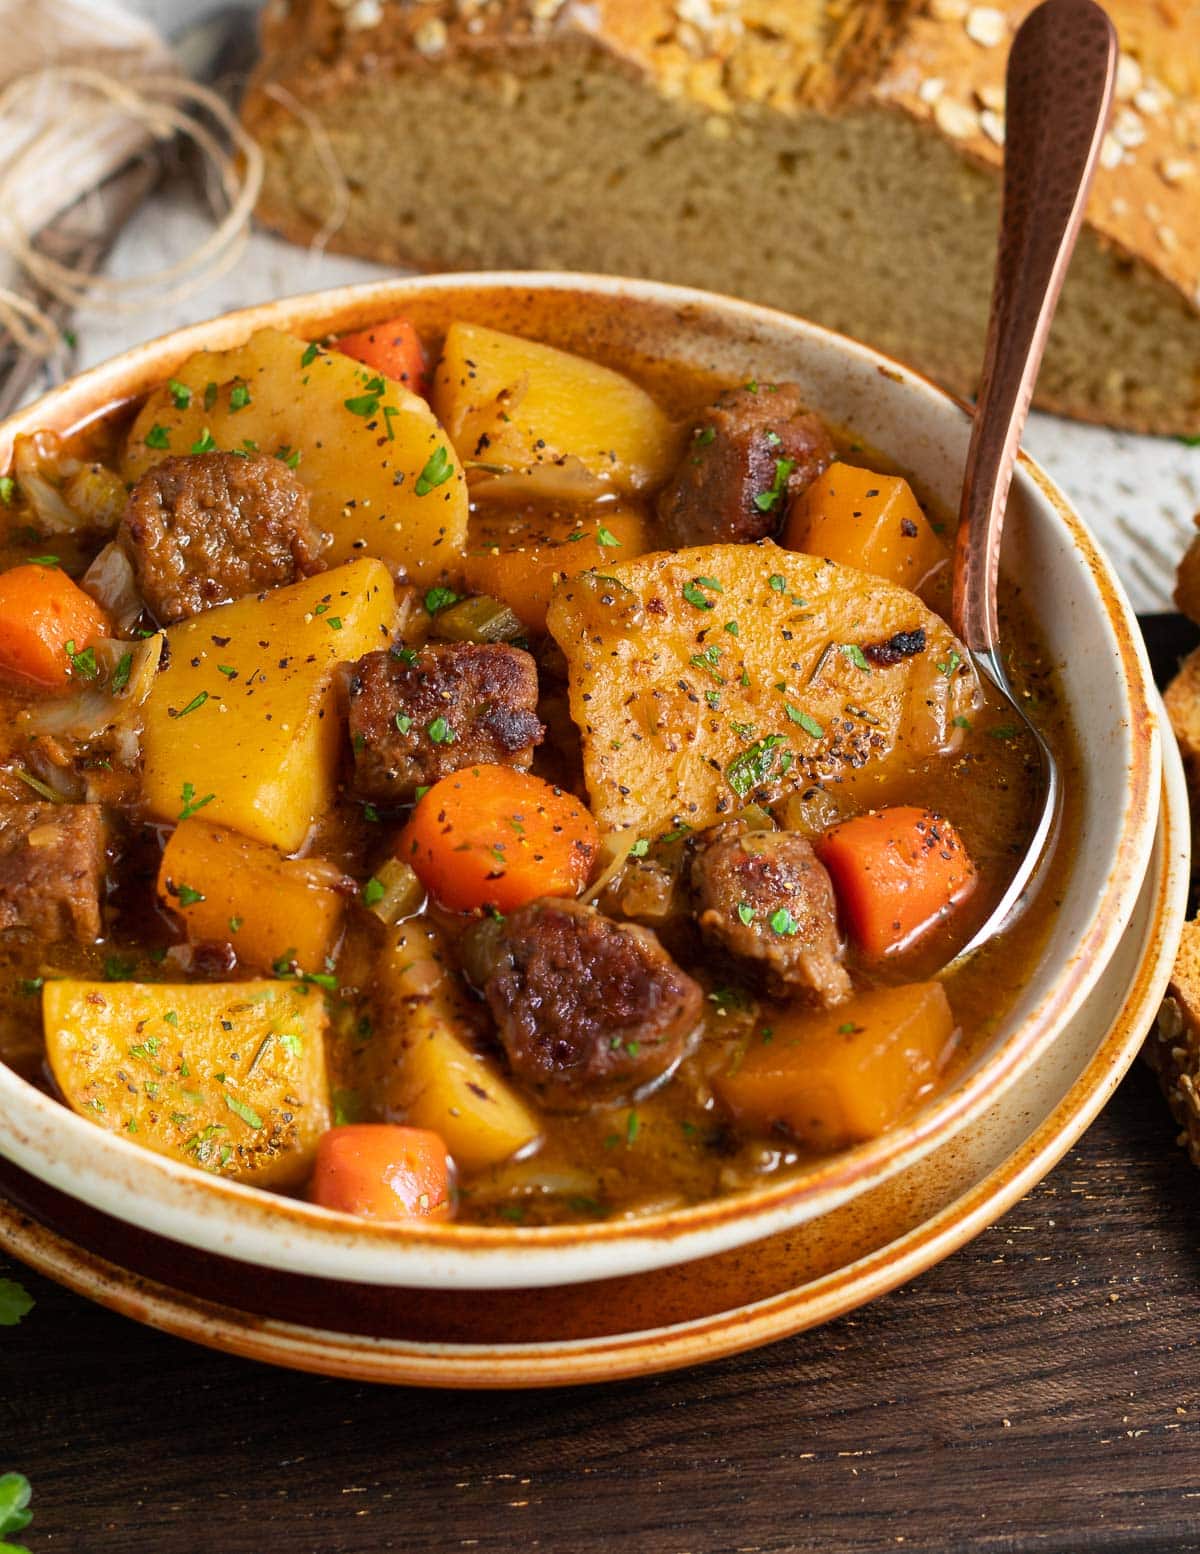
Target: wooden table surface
(1038, 1391)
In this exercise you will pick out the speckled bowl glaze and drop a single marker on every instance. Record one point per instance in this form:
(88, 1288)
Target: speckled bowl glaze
(1090, 633)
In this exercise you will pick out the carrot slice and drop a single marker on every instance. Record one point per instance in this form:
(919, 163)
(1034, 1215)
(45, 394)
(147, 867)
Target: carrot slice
(381, 1171)
(393, 348)
(490, 836)
(45, 618)
(896, 872)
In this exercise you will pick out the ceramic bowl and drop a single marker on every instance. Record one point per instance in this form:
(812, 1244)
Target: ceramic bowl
(1087, 626)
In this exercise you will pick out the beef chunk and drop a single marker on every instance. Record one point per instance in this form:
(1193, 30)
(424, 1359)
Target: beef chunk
(764, 897)
(52, 870)
(417, 714)
(748, 456)
(212, 527)
(588, 1010)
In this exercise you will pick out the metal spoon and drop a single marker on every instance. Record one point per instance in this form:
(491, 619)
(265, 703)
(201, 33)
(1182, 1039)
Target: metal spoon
(1058, 95)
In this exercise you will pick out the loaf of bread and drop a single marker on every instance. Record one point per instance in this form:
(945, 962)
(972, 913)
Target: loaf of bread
(836, 158)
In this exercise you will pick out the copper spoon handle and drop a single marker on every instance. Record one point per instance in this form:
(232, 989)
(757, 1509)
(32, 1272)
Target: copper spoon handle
(1059, 92)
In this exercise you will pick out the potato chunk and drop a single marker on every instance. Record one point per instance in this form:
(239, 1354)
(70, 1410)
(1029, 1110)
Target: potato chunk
(381, 473)
(227, 1076)
(705, 679)
(421, 1065)
(228, 889)
(835, 1079)
(241, 721)
(517, 403)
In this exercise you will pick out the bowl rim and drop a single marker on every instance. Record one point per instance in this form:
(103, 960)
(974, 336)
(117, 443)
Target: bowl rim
(642, 1349)
(255, 1226)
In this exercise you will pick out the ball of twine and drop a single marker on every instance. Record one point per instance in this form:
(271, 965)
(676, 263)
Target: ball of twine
(167, 106)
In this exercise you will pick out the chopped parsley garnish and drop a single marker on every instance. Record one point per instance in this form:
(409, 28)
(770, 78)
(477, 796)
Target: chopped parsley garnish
(234, 924)
(289, 456)
(210, 395)
(239, 396)
(961, 722)
(366, 404)
(806, 721)
(707, 661)
(311, 352)
(31, 985)
(194, 705)
(632, 1128)
(334, 623)
(43, 561)
(746, 913)
(181, 395)
(694, 595)
(440, 732)
(227, 670)
(640, 848)
(205, 443)
(158, 437)
(1003, 731)
(403, 722)
(782, 922)
(606, 537)
(191, 803)
(752, 767)
(373, 892)
(777, 582)
(703, 435)
(188, 895)
(120, 677)
(949, 665)
(82, 663)
(854, 653)
(847, 1028)
(8, 490)
(118, 968)
(766, 501)
(438, 599)
(438, 470)
(239, 1109)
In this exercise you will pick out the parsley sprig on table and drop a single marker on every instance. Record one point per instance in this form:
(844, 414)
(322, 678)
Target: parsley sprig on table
(15, 1516)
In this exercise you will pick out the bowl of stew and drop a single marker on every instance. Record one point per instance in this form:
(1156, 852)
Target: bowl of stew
(491, 797)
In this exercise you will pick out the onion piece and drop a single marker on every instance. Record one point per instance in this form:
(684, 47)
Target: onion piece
(92, 710)
(111, 583)
(402, 896)
(614, 852)
(67, 496)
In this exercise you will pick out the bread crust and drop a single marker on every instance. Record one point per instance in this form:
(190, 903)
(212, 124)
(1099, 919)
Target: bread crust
(741, 64)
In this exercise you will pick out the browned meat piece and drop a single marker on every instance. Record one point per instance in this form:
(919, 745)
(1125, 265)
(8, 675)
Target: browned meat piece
(417, 714)
(746, 459)
(588, 1010)
(211, 527)
(764, 897)
(52, 870)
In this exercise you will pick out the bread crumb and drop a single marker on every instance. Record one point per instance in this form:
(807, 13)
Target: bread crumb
(986, 26)
(430, 37)
(1129, 77)
(1128, 130)
(958, 120)
(363, 14)
(1111, 154)
(1175, 169)
(1151, 101)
